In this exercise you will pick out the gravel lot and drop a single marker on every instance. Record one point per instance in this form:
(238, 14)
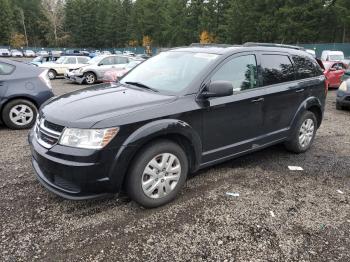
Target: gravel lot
(279, 215)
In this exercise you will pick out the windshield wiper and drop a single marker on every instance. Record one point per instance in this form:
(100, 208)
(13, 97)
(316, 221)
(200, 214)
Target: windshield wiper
(142, 86)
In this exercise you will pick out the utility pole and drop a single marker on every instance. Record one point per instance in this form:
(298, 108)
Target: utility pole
(24, 25)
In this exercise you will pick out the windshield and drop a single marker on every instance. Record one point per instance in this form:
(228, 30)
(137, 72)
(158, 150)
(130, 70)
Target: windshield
(336, 57)
(37, 59)
(170, 71)
(94, 60)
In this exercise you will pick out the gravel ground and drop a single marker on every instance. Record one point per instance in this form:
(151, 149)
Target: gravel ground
(279, 215)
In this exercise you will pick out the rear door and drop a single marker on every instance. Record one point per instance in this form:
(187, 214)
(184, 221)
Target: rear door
(6, 71)
(283, 94)
(120, 62)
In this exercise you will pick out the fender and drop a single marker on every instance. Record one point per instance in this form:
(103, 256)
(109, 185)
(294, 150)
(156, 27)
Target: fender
(145, 134)
(304, 106)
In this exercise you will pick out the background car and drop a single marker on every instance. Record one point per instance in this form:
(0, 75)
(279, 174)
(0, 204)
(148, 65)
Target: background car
(96, 68)
(64, 63)
(42, 59)
(42, 53)
(114, 74)
(5, 52)
(346, 75)
(16, 53)
(29, 53)
(23, 89)
(328, 55)
(105, 52)
(343, 95)
(334, 71)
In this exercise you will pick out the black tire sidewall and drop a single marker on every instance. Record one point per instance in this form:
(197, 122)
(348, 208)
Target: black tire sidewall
(6, 114)
(133, 181)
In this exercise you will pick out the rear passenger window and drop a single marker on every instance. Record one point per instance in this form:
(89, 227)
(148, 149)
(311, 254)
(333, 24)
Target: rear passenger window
(6, 69)
(240, 71)
(305, 68)
(121, 60)
(82, 60)
(276, 69)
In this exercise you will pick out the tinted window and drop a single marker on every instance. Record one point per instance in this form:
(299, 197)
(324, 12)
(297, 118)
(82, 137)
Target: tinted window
(82, 60)
(107, 61)
(6, 69)
(305, 67)
(276, 69)
(121, 60)
(240, 71)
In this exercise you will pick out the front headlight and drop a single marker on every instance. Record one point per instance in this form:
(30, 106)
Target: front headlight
(88, 138)
(343, 86)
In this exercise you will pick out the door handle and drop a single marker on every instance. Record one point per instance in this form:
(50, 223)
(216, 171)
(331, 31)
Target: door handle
(299, 90)
(257, 100)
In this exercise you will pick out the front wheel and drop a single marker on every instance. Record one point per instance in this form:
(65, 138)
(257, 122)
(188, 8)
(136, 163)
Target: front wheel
(90, 78)
(303, 134)
(338, 106)
(157, 174)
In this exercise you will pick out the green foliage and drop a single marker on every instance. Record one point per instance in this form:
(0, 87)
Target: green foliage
(118, 23)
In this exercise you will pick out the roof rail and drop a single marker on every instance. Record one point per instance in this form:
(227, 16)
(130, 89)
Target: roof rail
(210, 44)
(274, 45)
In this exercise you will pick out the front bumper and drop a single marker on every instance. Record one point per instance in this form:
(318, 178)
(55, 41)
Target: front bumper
(72, 173)
(74, 78)
(343, 98)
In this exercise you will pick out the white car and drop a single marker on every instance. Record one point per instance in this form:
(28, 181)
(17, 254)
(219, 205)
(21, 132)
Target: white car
(64, 63)
(16, 53)
(328, 55)
(96, 68)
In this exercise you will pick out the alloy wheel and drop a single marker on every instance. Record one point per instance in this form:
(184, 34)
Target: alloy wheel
(90, 78)
(306, 132)
(21, 114)
(161, 175)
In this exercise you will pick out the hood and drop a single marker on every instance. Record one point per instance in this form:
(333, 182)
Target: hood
(48, 64)
(86, 107)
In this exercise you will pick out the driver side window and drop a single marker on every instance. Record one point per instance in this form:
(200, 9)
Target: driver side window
(240, 71)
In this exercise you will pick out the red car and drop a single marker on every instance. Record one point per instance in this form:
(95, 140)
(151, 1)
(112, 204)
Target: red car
(334, 71)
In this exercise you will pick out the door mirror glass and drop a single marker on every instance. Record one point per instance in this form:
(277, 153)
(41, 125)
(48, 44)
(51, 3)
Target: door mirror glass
(218, 88)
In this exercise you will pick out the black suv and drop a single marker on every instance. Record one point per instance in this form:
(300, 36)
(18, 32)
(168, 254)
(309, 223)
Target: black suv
(180, 111)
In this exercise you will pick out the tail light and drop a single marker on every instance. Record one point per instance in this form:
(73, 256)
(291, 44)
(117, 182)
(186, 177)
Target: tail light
(43, 77)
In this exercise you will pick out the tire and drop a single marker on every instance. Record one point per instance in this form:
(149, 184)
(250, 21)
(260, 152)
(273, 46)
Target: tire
(52, 74)
(295, 143)
(19, 114)
(90, 78)
(136, 181)
(338, 106)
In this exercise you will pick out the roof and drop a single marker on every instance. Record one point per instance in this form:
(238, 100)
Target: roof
(220, 50)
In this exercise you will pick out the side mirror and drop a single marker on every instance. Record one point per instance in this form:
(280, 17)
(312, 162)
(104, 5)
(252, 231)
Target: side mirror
(218, 89)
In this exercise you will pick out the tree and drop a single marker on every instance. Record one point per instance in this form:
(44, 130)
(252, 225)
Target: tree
(5, 22)
(17, 40)
(54, 12)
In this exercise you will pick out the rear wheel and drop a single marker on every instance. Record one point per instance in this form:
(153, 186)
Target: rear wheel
(90, 78)
(52, 74)
(303, 134)
(19, 114)
(338, 106)
(157, 174)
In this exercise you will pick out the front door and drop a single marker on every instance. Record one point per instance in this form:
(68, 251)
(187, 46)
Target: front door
(233, 124)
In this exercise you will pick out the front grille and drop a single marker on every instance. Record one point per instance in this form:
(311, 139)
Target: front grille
(53, 126)
(47, 133)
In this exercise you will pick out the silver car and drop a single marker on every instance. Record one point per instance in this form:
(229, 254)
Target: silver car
(96, 68)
